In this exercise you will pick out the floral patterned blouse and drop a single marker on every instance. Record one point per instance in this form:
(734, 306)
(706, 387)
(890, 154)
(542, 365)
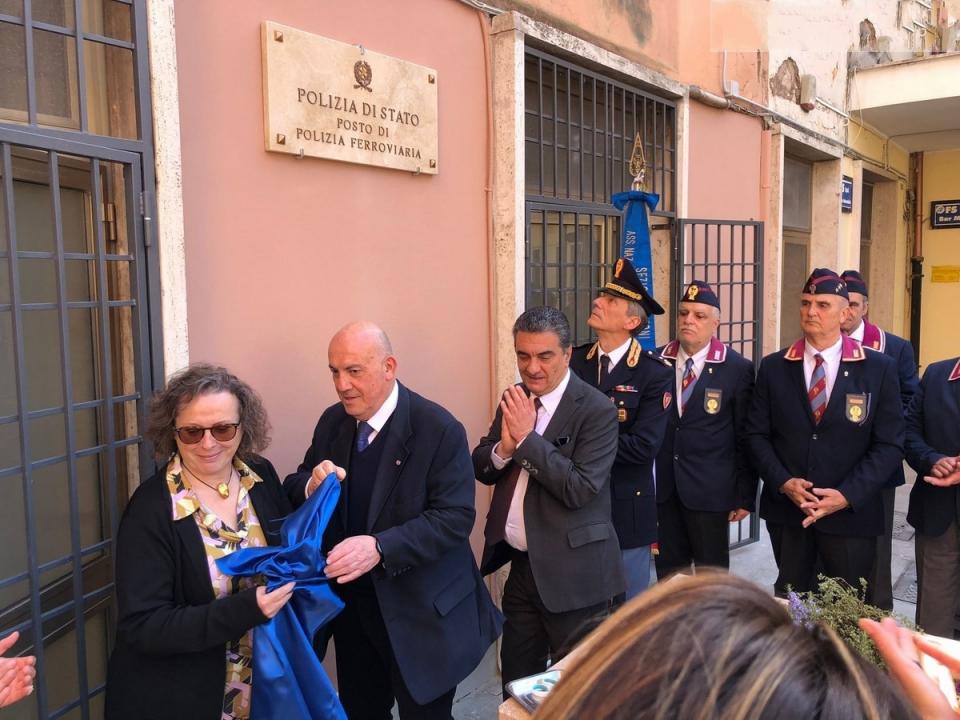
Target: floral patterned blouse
(219, 540)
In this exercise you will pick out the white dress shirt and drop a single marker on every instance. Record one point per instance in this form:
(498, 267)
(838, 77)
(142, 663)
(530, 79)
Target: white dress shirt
(380, 417)
(615, 355)
(699, 361)
(858, 333)
(516, 530)
(831, 363)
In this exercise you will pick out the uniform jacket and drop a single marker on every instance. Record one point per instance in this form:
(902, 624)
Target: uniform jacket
(436, 609)
(641, 388)
(855, 448)
(901, 351)
(170, 655)
(573, 548)
(704, 456)
(933, 432)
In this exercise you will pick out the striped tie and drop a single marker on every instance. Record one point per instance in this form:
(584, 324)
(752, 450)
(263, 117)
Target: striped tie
(687, 383)
(818, 389)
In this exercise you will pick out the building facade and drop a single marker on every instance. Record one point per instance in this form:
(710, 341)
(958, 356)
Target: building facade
(144, 226)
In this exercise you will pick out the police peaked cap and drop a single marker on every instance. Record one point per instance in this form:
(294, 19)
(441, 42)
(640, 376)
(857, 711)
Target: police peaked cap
(627, 285)
(698, 291)
(824, 281)
(855, 282)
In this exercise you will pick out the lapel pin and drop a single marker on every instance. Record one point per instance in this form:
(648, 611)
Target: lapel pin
(397, 462)
(846, 373)
(710, 370)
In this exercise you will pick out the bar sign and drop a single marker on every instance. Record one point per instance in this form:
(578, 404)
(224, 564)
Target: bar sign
(944, 214)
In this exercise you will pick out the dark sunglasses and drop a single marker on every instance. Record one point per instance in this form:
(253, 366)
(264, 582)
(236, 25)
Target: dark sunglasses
(222, 432)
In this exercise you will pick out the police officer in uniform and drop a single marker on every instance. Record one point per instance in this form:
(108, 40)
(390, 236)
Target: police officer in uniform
(640, 385)
(825, 433)
(704, 478)
(870, 336)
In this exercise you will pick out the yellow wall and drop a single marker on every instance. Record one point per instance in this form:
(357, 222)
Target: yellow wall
(938, 329)
(883, 153)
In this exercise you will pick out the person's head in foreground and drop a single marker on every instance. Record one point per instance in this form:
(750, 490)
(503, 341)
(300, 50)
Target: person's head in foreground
(717, 646)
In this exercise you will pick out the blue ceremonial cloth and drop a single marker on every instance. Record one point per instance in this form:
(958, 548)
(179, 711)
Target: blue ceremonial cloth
(288, 678)
(635, 245)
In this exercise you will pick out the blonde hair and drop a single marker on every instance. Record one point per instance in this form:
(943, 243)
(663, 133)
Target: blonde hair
(716, 646)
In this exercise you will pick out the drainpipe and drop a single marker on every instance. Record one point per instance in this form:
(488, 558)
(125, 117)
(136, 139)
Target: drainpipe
(916, 261)
(708, 98)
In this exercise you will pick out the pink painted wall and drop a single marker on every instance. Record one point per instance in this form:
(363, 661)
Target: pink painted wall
(642, 30)
(281, 252)
(724, 161)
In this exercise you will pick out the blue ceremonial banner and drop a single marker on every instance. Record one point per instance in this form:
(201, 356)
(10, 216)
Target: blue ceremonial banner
(288, 679)
(635, 246)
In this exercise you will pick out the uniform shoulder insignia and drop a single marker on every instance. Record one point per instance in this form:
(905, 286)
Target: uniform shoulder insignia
(653, 356)
(633, 354)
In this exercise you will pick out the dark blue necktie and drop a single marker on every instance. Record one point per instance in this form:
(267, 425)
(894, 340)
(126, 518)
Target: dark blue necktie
(363, 435)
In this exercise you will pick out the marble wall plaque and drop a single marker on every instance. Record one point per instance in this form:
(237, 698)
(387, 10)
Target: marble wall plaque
(328, 99)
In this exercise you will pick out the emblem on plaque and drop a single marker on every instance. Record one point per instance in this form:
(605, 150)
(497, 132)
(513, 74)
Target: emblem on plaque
(856, 408)
(363, 74)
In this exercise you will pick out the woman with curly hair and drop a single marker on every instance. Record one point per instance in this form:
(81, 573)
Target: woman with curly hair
(184, 630)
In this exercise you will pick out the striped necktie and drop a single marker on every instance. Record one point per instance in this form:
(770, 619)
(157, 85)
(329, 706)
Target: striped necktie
(687, 383)
(818, 389)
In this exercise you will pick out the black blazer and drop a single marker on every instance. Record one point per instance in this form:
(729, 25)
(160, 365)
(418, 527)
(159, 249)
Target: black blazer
(853, 451)
(436, 609)
(641, 388)
(573, 548)
(170, 655)
(933, 432)
(901, 351)
(704, 455)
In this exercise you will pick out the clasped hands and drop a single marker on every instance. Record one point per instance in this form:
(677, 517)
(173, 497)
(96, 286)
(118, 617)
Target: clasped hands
(519, 418)
(815, 502)
(354, 556)
(945, 472)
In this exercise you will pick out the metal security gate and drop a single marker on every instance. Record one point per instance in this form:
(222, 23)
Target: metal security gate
(728, 255)
(77, 355)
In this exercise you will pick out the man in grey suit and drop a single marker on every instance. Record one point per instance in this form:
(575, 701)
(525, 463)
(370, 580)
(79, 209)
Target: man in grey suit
(549, 454)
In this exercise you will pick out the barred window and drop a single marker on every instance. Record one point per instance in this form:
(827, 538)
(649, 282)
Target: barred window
(579, 133)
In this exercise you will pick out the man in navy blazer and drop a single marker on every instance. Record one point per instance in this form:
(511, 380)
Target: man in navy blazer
(856, 325)
(639, 385)
(933, 446)
(825, 433)
(417, 617)
(705, 480)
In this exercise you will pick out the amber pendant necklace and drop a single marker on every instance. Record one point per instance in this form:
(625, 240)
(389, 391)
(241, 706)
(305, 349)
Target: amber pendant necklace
(223, 488)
